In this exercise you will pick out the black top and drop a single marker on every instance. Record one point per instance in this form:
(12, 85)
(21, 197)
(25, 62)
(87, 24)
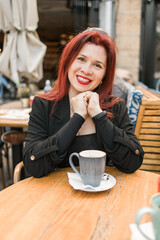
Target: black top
(52, 138)
(80, 143)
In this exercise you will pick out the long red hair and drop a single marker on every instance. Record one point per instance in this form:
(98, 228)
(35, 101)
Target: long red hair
(71, 50)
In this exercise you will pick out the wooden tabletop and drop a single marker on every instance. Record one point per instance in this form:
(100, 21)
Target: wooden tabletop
(49, 208)
(13, 123)
(16, 104)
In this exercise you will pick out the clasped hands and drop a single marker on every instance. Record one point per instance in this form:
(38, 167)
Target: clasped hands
(86, 104)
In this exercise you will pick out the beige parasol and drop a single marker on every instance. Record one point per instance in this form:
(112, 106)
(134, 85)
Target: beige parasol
(23, 51)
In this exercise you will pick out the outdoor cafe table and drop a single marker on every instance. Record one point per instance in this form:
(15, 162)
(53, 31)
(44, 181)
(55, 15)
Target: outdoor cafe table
(15, 124)
(49, 208)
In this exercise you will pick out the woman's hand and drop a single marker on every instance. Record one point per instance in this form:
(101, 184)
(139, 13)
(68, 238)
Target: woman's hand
(93, 106)
(79, 104)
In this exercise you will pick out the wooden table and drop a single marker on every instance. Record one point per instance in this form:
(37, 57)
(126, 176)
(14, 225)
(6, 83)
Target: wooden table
(12, 122)
(49, 208)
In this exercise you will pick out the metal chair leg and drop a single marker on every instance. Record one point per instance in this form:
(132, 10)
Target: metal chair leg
(6, 155)
(2, 171)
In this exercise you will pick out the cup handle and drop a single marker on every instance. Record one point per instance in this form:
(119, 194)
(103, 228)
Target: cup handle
(71, 163)
(139, 215)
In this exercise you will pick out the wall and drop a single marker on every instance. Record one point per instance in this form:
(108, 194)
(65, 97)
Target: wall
(127, 35)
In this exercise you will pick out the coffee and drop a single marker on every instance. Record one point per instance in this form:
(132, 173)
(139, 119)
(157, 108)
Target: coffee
(92, 154)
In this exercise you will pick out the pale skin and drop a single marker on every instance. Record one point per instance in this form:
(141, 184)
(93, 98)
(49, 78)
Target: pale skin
(90, 67)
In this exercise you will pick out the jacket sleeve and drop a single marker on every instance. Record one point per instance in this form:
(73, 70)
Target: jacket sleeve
(42, 152)
(121, 145)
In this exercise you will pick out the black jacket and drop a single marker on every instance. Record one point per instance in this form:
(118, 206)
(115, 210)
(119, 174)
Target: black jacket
(41, 152)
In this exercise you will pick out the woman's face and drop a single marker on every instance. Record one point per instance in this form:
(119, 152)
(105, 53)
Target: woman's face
(88, 69)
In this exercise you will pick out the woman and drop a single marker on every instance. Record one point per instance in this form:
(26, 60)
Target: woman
(80, 112)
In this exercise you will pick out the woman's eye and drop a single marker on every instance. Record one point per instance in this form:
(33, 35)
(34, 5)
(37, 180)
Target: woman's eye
(81, 59)
(98, 65)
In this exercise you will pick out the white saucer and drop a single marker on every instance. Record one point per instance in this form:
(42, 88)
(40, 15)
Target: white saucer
(76, 182)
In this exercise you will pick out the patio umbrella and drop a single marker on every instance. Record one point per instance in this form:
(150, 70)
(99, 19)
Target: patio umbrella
(23, 51)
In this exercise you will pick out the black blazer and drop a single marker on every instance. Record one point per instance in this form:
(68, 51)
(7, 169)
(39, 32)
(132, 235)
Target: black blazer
(41, 152)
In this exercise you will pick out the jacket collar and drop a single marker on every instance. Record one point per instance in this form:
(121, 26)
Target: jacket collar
(62, 110)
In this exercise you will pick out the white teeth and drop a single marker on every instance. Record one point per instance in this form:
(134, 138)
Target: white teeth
(82, 79)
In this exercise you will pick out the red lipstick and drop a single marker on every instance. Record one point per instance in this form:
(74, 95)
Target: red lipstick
(81, 82)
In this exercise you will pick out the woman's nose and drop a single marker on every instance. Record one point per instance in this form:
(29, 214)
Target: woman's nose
(87, 69)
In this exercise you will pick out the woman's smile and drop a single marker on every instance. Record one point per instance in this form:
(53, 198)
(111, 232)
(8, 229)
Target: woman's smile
(83, 80)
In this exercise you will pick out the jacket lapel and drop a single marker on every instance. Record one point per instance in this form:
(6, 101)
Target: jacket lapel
(61, 115)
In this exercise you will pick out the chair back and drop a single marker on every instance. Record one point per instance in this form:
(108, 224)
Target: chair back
(131, 95)
(17, 172)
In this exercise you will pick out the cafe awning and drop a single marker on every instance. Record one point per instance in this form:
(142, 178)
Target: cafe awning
(23, 51)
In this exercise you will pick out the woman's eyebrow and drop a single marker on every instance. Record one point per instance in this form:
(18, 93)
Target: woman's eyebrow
(100, 62)
(82, 55)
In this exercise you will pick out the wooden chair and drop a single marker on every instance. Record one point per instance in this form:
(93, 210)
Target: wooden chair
(147, 127)
(17, 172)
(148, 130)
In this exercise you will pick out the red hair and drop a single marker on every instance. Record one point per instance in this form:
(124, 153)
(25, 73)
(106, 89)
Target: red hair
(61, 88)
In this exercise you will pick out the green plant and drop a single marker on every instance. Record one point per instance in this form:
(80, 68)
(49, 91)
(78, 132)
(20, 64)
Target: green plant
(24, 92)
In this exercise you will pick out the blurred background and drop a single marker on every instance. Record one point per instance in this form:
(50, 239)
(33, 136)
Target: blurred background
(135, 26)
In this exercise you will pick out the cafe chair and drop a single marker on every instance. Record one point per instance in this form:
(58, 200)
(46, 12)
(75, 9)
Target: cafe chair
(15, 140)
(17, 172)
(131, 95)
(14, 137)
